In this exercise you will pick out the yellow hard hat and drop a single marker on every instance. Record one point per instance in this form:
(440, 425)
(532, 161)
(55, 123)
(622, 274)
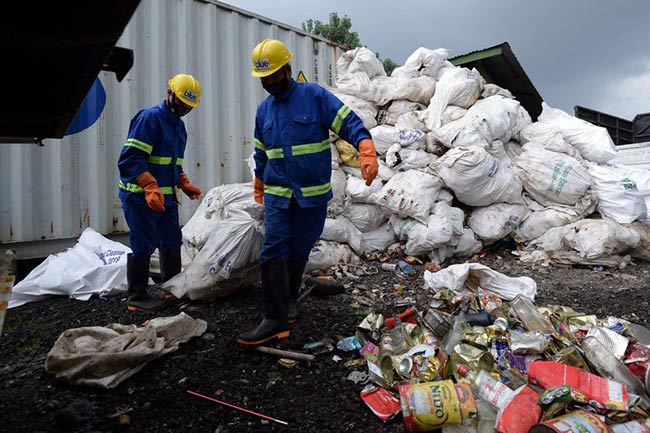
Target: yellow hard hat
(269, 56)
(186, 88)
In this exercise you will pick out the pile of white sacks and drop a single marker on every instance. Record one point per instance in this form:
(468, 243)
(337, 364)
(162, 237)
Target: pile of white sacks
(442, 133)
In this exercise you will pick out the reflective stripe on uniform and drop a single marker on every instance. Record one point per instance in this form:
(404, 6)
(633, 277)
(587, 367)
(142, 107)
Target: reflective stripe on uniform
(164, 160)
(259, 145)
(306, 149)
(340, 115)
(311, 191)
(278, 190)
(134, 187)
(132, 142)
(274, 153)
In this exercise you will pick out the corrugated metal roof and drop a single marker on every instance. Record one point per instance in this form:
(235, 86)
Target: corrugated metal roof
(499, 65)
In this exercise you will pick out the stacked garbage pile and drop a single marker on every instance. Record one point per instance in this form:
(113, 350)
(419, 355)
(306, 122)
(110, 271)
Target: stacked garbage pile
(481, 357)
(441, 134)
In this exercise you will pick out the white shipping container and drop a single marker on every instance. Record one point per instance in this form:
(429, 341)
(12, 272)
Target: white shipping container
(50, 194)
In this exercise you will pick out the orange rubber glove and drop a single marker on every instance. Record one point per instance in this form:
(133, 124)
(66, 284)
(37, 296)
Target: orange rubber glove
(152, 194)
(258, 191)
(190, 190)
(368, 157)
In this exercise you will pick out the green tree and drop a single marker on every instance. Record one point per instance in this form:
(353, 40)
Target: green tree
(389, 65)
(337, 30)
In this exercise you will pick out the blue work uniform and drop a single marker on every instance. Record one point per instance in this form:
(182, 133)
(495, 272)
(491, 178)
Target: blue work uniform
(294, 160)
(155, 143)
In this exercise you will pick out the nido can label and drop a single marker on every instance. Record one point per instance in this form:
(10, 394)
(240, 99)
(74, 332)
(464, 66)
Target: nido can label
(430, 405)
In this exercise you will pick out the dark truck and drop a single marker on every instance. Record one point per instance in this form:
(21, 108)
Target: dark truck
(622, 131)
(52, 52)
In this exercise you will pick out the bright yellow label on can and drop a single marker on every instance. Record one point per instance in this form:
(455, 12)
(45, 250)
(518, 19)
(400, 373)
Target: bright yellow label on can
(430, 405)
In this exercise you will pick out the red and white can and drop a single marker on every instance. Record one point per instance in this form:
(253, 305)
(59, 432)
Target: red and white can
(637, 360)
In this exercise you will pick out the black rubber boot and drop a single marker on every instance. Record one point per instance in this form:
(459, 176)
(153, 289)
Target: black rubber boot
(170, 262)
(170, 265)
(295, 281)
(275, 289)
(137, 277)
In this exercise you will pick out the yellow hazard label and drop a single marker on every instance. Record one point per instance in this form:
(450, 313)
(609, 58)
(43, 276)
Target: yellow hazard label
(301, 78)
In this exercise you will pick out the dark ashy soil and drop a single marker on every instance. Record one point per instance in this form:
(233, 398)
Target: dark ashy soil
(311, 398)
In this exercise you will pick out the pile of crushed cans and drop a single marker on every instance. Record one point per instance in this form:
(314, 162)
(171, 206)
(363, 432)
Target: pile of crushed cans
(474, 362)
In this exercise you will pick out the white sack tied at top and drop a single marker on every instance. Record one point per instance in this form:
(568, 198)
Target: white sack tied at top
(495, 222)
(422, 61)
(618, 195)
(490, 119)
(593, 142)
(544, 218)
(473, 276)
(460, 87)
(326, 254)
(95, 265)
(443, 225)
(384, 136)
(551, 177)
(592, 238)
(410, 194)
(226, 262)
(477, 178)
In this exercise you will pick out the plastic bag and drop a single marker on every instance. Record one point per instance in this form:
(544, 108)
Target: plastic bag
(422, 61)
(543, 218)
(384, 136)
(401, 159)
(410, 194)
(398, 108)
(551, 177)
(365, 217)
(359, 192)
(95, 265)
(360, 60)
(326, 254)
(494, 118)
(474, 276)
(618, 196)
(227, 261)
(497, 221)
(477, 178)
(460, 87)
(592, 238)
(219, 203)
(593, 142)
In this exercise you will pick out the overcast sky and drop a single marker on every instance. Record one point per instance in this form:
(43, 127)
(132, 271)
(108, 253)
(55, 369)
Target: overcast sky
(594, 53)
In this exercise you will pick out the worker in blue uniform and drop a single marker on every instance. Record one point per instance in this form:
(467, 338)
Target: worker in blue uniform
(292, 178)
(151, 168)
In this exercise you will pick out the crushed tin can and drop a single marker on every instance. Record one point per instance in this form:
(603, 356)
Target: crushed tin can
(430, 405)
(576, 421)
(438, 321)
(523, 343)
(602, 394)
(520, 413)
(570, 356)
(384, 404)
(473, 357)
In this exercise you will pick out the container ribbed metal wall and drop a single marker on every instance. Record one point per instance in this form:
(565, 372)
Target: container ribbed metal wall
(56, 191)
